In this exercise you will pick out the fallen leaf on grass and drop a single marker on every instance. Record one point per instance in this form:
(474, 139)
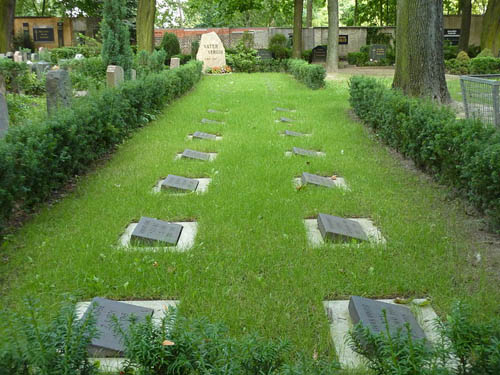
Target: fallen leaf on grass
(168, 343)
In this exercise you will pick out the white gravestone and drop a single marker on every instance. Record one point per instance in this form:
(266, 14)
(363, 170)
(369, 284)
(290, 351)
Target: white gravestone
(79, 56)
(175, 62)
(211, 51)
(114, 75)
(133, 74)
(18, 57)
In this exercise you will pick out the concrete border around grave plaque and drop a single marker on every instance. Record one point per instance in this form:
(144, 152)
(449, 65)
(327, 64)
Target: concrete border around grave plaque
(185, 242)
(217, 138)
(340, 324)
(211, 156)
(338, 183)
(202, 187)
(115, 364)
(315, 239)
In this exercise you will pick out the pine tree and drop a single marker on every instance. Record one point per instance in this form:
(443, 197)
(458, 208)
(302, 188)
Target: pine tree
(116, 38)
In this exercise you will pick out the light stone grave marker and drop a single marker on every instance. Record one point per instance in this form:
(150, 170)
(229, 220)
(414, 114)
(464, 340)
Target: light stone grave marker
(286, 119)
(133, 74)
(308, 178)
(114, 75)
(79, 56)
(335, 228)
(202, 135)
(105, 311)
(280, 109)
(211, 51)
(175, 62)
(4, 112)
(291, 133)
(9, 55)
(151, 231)
(304, 152)
(18, 57)
(192, 154)
(179, 183)
(41, 67)
(208, 121)
(58, 87)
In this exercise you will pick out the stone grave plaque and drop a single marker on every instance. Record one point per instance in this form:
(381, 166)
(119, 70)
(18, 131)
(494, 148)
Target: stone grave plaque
(114, 75)
(211, 51)
(152, 231)
(336, 228)
(58, 87)
(264, 54)
(378, 52)
(104, 310)
(175, 62)
(370, 314)
(280, 109)
(212, 111)
(308, 178)
(303, 152)
(43, 34)
(319, 53)
(179, 183)
(203, 135)
(294, 134)
(208, 121)
(191, 154)
(286, 119)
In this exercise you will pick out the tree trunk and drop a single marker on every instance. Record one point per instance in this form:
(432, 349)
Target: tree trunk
(297, 29)
(145, 24)
(355, 13)
(490, 35)
(463, 43)
(332, 64)
(309, 13)
(6, 24)
(419, 49)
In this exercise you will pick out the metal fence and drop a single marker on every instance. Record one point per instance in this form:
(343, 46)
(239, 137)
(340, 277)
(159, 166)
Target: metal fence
(481, 97)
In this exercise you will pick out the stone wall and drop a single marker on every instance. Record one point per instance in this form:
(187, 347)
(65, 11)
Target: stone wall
(476, 26)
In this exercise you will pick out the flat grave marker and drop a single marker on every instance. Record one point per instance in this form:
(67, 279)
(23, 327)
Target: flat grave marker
(208, 121)
(192, 154)
(335, 228)
(308, 178)
(291, 133)
(179, 183)
(151, 231)
(281, 109)
(286, 119)
(202, 135)
(304, 152)
(105, 312)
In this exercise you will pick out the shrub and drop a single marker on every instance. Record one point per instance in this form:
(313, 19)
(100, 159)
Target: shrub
(23, 41)
(195, 44)
(278, 47)
(146, 63)
(14, 73)
(485, 53)
(462, 56)
(183, 58)
(462, 153)
(307, 55)
(170, 44)
(313, 76)
(272, 65)
(242, 58)
(485, 65)
(357, 58)
(456, 66)
(37, 158)
(450, 51)
(473, 51)
(89, 73)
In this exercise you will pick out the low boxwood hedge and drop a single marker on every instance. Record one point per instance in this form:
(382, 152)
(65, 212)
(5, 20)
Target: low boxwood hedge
(462, 153)
(36, 159)
(313, 76)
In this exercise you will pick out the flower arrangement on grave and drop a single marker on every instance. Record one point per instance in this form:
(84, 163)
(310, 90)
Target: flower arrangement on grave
(219, 70)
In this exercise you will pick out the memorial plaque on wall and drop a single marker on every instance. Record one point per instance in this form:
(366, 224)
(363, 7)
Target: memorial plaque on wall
(151, 231)
(339, 229)
(370, 314)
(108, 314)
(179, 183)
(452, 36)
(378, 52)
(343, 39)
(45, 34)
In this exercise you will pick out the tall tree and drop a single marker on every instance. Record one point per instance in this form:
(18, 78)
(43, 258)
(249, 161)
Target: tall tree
(466, 7)
(332, 56)
(145, 22)
(297, 29)
(309, 13)
(419, 49)
(8, 8)
(490, 35)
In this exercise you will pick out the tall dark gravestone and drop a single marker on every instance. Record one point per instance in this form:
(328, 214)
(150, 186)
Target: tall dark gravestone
(335, 228)
(4, 112)
(108, 314)
(58, 85)
(151, 231)
(370, 314)
(378, 52)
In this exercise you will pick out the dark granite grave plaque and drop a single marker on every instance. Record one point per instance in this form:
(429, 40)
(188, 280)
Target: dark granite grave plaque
(294, 134)
(265, 54)
(319, 53)
(208, 121)
(378, 52)
(286, 119)
(370, 314)
(151, 231)
(202, 135)
(452, 36)
(179, 183)
(308, 178)
(108, 342)
(280, 109)
(339, 229)
(344, 39)
(191, 154)
(303, 152)
(43, 34)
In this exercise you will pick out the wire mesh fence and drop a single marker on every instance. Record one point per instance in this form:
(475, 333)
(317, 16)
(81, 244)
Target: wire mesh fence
(481, 97)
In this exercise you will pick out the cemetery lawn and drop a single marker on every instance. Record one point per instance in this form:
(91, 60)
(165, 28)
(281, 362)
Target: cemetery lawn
(251, 266)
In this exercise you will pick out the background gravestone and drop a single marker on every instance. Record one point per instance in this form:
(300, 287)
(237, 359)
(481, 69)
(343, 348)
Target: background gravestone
(211, 51)
(370, 314)
(308, 178)
(175, 62)
(208, 121)
(286, 119)
(114, 75)
(58, 87)
(41, 67)
(151, 231)
(318, 54)
(179, 183)
(105, 312)
(4, 113)
(378, 52)
(18, 56)
(337, 228)
(202, 135)
(133, 74)
(293, 134)
(304, 152)
(264, 54)
(191, 154)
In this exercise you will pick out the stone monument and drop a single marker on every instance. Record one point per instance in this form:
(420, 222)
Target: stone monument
(58, 85)
(175, 62)
(4, 113)
(114, 75)
(211, 51)
(18, 57)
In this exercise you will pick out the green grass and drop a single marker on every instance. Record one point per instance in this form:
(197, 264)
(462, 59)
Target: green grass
(252, 267)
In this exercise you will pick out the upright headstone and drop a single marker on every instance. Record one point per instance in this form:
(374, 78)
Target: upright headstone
(108, 314)
(25, 56)
(133, 74)
(18, 56)
(79, 56)
(58, 86)
(211, 51)
(42, 50)
(378, 52)
(114, 75)
(35, 57)
(4, 113)
(41, 67)
(175, 62)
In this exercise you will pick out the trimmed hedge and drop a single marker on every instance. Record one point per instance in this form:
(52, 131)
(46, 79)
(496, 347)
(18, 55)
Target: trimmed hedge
(313, 76)
(462, 153)
(36, 159)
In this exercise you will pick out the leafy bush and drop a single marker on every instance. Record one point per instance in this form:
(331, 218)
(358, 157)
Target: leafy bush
(195, 44)
(458, 67)
(243, 58)
(307, 55)
(170, 44)
(463, 56)
(25, 108)
(146, 63)
(313, 76)
(473, 51)
(37, 158)
(278, 47)
(485, 53)
(450, 51)
(23, 41)
(89, 73)
(485, 65)
(183, 58)
(15, 74)
(357, 58)
(462, 153)
(272, 65)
